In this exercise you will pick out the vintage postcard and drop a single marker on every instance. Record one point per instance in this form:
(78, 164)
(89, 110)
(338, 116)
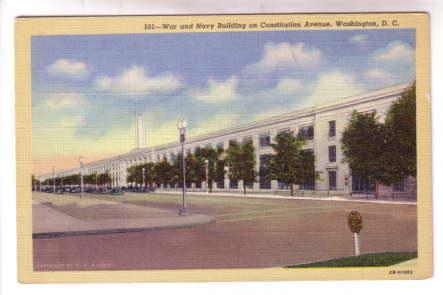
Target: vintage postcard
(223, 147)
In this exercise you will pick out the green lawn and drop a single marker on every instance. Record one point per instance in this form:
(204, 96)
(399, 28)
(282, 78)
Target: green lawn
(376, 259)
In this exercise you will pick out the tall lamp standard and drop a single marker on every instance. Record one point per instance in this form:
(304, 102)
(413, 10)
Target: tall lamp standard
(81, 159)
(207, 175)
(53, 179)
(181, 125)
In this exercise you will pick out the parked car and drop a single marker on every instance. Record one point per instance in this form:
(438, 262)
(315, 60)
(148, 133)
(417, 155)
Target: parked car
(116, 191)
(75, 190)
(148, 189)
(102, 191)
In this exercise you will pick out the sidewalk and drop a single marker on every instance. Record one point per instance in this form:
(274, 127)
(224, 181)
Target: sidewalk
(273, 196)
(64, 215)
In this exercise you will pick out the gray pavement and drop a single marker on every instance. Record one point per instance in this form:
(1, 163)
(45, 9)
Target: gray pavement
(67, 215)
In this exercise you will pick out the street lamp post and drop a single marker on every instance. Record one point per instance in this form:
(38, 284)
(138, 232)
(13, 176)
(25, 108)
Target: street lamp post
(81, 176)
(53, 180)
(207, 175)
(181, 125)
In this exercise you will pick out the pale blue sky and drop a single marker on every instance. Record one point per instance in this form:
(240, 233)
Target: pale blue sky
(88, 87)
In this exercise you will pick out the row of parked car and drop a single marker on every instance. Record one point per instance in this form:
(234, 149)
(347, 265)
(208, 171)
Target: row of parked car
(93, 190)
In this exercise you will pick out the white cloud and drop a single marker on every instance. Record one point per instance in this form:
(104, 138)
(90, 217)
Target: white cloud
(288, 86)
(377, 74)
(136, 81)
(62, 101)
(395, 51)
(359, 39)
(333, 85)
(216, 92)
(69, 68)
(280, 56)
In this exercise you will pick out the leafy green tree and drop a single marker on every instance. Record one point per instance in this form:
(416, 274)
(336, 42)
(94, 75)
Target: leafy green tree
(400, 154)
(213, 156)
(364, 145)
(289, 163)
(104, 178)
(131, 174)
(308, 174)
(150, 176)
(162, 171)
(194, 169)
(383, 153)
(242, 161)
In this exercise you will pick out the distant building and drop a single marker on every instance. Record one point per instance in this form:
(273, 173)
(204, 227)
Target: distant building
(322, 126)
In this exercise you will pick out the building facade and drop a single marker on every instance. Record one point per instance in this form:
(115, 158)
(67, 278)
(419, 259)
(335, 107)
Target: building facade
(322, 126)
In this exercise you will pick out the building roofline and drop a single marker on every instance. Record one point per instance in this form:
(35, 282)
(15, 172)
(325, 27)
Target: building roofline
(299, 113)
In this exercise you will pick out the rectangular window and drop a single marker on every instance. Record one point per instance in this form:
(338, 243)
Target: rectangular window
(331, 128)
(362, 185)
(264, 182)
(282, 185)
(264, 139)
(332, 153)
(309, 183)
(233, 183)
(332, 180)
(221, 183)
(249, 184)
(399, 186)
(307, 132)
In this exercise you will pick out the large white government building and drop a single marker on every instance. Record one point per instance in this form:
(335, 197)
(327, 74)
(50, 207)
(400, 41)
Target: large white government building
(322, 126)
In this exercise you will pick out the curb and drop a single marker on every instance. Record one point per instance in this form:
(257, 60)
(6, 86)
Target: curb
(269, 197)
(49, 235)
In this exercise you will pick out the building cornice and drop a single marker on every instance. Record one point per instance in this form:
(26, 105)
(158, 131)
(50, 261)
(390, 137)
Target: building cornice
(297, 114)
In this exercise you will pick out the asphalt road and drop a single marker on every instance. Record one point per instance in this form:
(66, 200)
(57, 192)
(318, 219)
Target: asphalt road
(247, 233)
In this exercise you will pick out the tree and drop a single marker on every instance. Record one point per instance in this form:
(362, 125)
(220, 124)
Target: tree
(383, 153)
(401, 148)
(241, 161)
(213, 156)
(289, 163)
(131, 174)
(308, 175)
(104, 178)
(150, 176)
(363, 144)
(162, 171)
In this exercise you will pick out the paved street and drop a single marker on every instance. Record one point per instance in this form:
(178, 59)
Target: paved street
(247, 233)
(55, 216)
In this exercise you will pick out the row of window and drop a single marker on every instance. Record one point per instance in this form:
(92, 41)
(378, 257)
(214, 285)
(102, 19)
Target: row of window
(358, 184)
